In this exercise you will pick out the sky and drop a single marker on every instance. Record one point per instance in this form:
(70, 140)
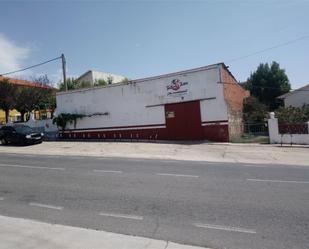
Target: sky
(146, 38)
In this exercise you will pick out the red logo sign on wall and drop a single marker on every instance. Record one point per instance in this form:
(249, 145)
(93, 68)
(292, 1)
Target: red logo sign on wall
(176, 87)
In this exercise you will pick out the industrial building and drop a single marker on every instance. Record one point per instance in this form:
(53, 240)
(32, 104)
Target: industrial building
(203, 103)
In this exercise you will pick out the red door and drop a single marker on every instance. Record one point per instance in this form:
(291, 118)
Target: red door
(183, 121)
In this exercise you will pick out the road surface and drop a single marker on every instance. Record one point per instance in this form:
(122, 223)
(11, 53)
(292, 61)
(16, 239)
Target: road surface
(217, 205)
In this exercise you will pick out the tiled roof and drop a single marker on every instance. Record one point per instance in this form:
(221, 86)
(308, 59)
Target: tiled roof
(25, 83)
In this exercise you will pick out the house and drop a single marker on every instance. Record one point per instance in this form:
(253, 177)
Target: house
(296, 98)
(14, 115)
(93, 76)
(195, 104)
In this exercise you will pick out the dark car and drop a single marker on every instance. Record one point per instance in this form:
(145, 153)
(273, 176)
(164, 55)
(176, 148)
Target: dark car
(19, 134)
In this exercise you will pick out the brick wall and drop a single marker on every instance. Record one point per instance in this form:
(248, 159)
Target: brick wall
(234, 96)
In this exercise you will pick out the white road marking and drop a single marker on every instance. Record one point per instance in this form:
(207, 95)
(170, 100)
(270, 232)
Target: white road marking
(107, 171)
(280, 181)
(35, 204)
(136, 160)
(177, 175)
(253, 165)
(29, 167)
(169, 161)
(125, 216)
(1, 198)
(225, 228)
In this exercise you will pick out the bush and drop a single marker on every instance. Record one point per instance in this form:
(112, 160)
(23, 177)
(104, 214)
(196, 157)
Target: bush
(293, 114)
(64, 118)
(254, 111)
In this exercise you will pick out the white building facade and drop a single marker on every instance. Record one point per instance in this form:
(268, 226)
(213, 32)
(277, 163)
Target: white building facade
(196, 104)
(296, 98)
(93, 76)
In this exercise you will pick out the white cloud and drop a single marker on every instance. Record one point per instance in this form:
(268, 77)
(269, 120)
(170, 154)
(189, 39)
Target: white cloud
(11, 55)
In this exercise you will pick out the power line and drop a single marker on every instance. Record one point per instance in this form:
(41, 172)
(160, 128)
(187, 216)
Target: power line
(270, 48)
(40, 64)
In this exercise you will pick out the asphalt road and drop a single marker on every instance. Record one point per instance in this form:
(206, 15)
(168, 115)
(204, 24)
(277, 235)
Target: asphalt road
(218, 205)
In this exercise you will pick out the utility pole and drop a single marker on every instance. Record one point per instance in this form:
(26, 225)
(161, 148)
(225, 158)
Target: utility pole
(64, 72)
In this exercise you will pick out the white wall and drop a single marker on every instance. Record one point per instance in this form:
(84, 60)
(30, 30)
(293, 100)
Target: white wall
(142, 101)
(92, 76)
(275, 137)
(298, 98)
(96, 75)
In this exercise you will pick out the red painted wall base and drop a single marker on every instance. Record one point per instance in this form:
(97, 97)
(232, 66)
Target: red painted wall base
(213, 132)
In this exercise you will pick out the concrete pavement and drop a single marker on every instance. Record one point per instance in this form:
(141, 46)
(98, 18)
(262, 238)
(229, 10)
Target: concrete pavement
(16, 233)
(213, 152)
(216, 205)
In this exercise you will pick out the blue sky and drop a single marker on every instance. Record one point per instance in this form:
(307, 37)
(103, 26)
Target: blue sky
(144, 38)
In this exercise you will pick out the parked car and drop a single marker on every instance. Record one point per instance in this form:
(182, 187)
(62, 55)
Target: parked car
(19, 134)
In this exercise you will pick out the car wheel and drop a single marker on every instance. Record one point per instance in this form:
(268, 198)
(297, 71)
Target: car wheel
(3, 141)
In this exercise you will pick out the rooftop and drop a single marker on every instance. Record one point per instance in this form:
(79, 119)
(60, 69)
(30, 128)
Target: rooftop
(25, 82)
(283, 96)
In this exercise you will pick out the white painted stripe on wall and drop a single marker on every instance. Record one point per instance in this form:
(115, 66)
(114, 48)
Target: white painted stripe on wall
(278, 181)
(116, 129)
(125, 216)
(29, 167)
(223, 123)
(225, 228)
(35, 204)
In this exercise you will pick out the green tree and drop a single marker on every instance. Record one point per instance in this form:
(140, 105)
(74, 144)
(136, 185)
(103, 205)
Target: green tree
(100, 82)
(125, 80)
(23, 100)
(267, 83)
(64, 118)
(46, 97)
(254, 111)
(110, 80)
(7, 97)
(73, 84)
(29, 98)
(293, 114)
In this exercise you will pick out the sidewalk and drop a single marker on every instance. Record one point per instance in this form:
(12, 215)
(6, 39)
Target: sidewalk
(18, 233)
(213, 152)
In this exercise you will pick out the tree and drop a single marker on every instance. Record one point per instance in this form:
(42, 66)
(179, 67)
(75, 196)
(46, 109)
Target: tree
(7, 97)
(293, 114)
(125, 80)
(26, 98)
(73, 84)
(254, 111)
(46, 96)
(100, 82)
(64, 118)
(267, 83)
(43, 80)
(23, 99)
(49, 102)
(110, 80)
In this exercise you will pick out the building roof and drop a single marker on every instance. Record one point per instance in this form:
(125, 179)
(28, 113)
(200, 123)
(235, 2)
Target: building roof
(89, 71)
(283, 96)
(25, 83)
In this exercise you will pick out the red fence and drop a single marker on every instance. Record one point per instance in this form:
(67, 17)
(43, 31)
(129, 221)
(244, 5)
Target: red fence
(293, 128)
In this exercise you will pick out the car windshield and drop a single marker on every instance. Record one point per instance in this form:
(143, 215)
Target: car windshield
(23, 129)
